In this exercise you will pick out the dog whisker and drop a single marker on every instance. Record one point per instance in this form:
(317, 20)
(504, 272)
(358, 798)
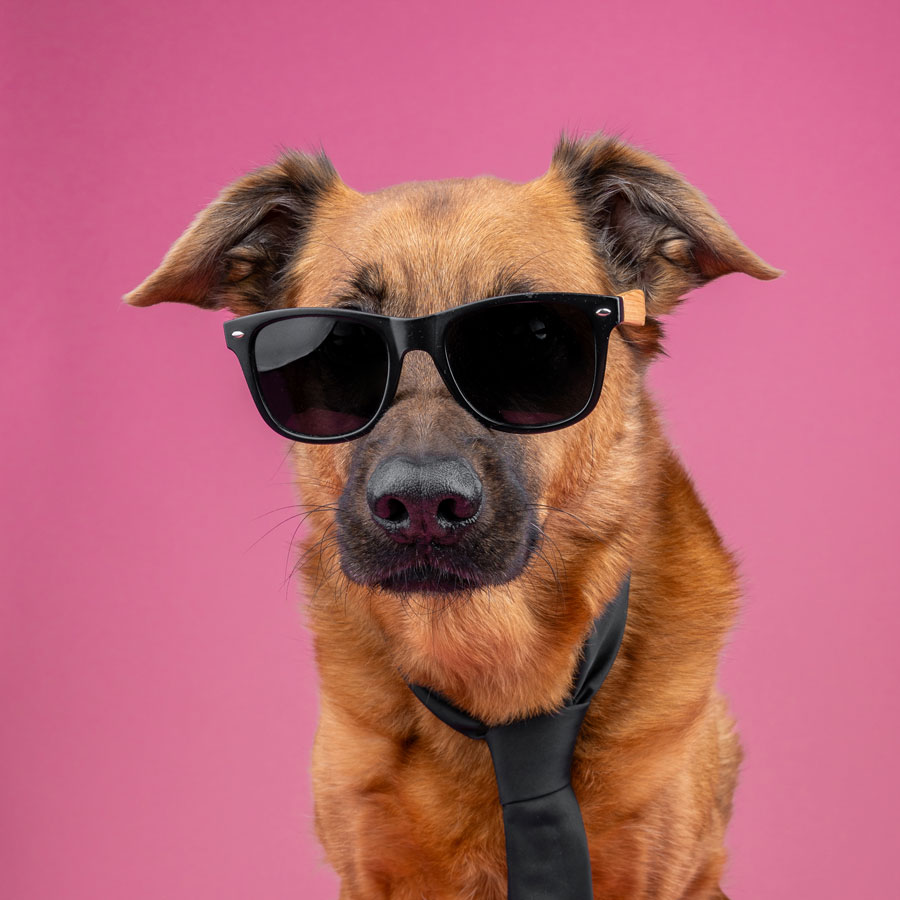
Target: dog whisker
(327, 539)
(304, 516)
(571, 515)
(540, 553)
(287, 560)
(311, 506)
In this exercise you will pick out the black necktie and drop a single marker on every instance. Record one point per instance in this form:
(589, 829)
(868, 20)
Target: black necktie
(546, 846)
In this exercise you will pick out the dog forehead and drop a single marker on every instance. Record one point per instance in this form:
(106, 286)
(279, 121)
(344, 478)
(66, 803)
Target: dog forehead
(423, 246)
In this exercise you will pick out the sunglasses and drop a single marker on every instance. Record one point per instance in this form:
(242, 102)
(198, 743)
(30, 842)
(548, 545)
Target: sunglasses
(524, 363)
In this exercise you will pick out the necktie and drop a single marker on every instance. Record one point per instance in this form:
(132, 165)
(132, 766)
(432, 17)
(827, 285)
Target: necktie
(546, 846)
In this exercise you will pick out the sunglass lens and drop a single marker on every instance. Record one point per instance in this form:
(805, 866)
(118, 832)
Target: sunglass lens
(529, 365)
(321, 376)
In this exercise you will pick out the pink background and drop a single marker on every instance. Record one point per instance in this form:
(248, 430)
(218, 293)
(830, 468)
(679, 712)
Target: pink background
(157, 699)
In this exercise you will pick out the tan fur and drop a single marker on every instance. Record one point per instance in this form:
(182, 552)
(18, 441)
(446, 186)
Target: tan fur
(406, 808)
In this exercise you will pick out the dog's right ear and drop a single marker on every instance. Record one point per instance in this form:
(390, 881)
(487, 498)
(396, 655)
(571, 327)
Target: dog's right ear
(234, 253)
(651, 229)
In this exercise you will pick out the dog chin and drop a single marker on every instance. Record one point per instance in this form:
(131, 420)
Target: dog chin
(433, 570)
(429, 581)
(429, 578)
(423, 577)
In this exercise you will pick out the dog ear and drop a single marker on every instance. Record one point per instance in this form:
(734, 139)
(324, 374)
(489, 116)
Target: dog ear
(236, 250)
(651, 229)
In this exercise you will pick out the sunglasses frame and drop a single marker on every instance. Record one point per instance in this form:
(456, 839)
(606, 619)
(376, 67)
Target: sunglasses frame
(427, 333)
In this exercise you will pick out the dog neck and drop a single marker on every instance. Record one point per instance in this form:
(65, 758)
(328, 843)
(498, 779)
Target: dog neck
(532, 760)
(597, 656)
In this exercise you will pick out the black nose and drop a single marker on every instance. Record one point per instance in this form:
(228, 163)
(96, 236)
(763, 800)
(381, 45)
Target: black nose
(426, 500)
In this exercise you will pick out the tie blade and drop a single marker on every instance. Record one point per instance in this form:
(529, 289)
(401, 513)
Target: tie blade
(546, 849)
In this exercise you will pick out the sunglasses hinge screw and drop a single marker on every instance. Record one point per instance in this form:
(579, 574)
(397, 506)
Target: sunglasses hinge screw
(603, 311)
(237, 334)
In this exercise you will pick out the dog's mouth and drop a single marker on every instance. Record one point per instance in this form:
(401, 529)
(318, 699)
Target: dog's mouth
(434, 569)
(428, 581)
(426, 572)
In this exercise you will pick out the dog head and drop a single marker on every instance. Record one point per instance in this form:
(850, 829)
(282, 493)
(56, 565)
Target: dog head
(460, 545)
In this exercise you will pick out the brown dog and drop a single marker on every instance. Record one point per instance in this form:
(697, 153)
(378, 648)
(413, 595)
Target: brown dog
(406, 808)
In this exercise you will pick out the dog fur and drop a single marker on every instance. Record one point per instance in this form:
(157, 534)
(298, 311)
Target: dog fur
(406, 808)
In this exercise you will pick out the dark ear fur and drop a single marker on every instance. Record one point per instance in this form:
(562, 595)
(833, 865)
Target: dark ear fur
(652, 230)
(235, 251)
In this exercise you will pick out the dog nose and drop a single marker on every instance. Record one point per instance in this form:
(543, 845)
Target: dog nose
(426, 500)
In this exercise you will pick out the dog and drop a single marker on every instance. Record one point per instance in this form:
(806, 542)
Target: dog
(489, 602)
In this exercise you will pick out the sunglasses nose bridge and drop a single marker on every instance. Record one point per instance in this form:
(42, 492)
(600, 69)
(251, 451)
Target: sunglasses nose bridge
(413, 334)
(418, 334)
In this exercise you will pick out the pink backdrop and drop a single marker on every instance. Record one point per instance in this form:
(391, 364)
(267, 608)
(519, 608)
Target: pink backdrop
(157, 695)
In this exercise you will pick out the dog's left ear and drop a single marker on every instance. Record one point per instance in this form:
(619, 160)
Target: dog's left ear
(651, 229)
(237, 250)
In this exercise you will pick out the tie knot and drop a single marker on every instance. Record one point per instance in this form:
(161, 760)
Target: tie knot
(533, 757)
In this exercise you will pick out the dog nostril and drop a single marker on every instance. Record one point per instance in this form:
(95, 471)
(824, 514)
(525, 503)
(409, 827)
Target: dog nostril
(390, 509)
(453, 510)
(395, 511)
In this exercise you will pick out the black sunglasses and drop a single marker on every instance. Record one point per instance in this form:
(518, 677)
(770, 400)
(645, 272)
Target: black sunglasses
(524, 363)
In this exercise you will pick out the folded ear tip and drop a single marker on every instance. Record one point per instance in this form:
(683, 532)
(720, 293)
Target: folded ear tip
(769, 273)
(755, 266)
(137, 297)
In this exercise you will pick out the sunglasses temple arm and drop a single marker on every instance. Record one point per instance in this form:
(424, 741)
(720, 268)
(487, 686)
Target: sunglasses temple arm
(632, 308)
